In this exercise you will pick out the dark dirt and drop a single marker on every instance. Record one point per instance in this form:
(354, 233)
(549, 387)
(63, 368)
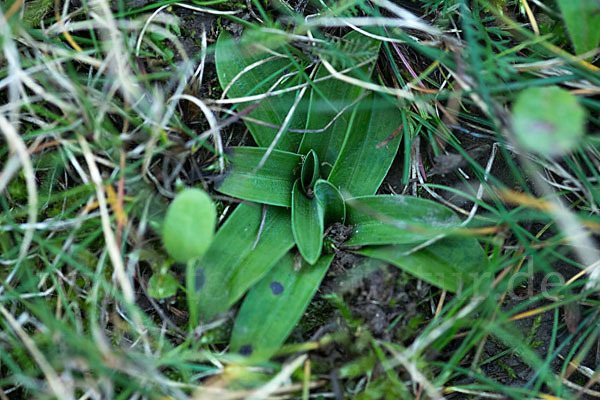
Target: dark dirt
(511, 369)
(382, 300)
(444, 170)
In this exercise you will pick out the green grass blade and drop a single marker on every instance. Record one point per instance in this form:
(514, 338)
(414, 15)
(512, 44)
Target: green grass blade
(231, 58)
(450, 263)
(388, 219)
(331, 202)
(307, 224)
(235, 260)
(327, 99)
(271, 184)
(274, 306)
(369, 149)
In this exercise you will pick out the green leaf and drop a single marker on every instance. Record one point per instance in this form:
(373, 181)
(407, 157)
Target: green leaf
(548, 120)
(162, 285)
(331, 202)
(274, 306)
(310, 171)
(369, 149)
(450, 263)
(231, 58)
(582, 18)
(387, 219)
(270, 184)
(307, 224)
(327, 99)
(189, 225)
(235, 261)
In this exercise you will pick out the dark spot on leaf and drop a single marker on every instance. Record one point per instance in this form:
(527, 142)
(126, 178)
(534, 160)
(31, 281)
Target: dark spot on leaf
(199, 279)
(246, 350)
(276, 288)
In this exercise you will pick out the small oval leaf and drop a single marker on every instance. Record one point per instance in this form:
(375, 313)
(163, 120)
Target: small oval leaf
(548, 120)
(310, 171)
(189, 225)
(161, 286)
(331, 201)
(307, 224)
